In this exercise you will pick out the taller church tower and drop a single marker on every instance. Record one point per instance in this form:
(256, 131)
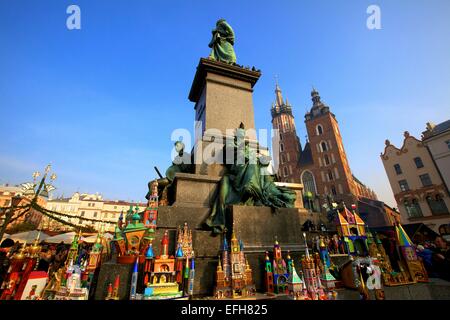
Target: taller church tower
(289, 146)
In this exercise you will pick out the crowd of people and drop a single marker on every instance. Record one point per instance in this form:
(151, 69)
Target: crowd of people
(51, 257)
(436, 257)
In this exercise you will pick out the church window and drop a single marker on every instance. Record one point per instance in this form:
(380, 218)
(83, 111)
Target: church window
(437, 205)
(397, 168)
(333, 190)
(283, 158)
(319, 130)
(324, 146)
(286, 125)
(327, 160)
(285, 171)
(413, 208)
(330, 175)
(336, 173)
(418, 162)
(281, 147)
(309, 184)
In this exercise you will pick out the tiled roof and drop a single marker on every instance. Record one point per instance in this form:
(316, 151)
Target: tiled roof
(441, 127)
(306, 155)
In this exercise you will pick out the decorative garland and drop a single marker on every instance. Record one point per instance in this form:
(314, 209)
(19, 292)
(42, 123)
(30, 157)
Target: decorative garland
(17, 207)
(62, 221)
(54, 215)
(51, 212)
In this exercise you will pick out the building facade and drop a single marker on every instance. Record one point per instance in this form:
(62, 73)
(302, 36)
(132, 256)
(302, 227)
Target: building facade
(322, 165)
(14, 195)
(89, 206)
(418, 188)
(437, 140)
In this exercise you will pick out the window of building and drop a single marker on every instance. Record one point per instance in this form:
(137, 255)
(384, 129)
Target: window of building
(437, 205)
(319, 130)
(281, 137)
(397, 168)
(426, 180)
(448, 143)
(413, 208)
(327, 160)
(82, 214)
(330, 175)
(333, 191)
(95, 214)
(285, 171)
(403, 185)
(286, 125)
(281, 147)
(308, 182)
(418, 162)
(283, 159)
(324, 146)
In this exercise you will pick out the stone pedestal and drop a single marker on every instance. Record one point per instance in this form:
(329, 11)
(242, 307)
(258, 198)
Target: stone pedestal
(195, 190)
(223, 95)
(223, 99)
(257, 227)
(108, 272)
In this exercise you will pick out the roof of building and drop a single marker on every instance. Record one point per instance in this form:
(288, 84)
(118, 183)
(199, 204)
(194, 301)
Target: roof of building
(124, 203)
(358, 181)
(318, 108)
(306, 155)
(434, 130)
(60, 200)
(9, 188)
(388, 144)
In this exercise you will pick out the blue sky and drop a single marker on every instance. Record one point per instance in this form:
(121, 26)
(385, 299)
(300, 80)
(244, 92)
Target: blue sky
(101, 103)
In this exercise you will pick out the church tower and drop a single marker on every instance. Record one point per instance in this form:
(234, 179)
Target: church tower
(331, 170)
(289, 144)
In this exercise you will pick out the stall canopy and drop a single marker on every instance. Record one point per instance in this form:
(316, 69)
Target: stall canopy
(67, 238)
(92, 238)
(28, 236)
